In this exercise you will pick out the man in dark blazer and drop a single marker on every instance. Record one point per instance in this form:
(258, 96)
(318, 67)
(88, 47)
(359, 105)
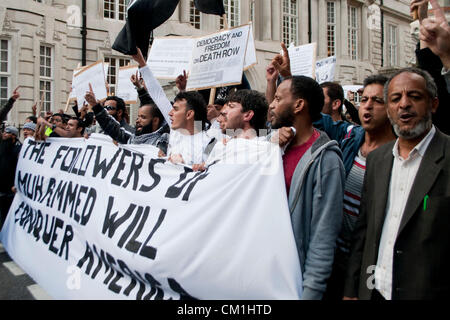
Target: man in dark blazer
(401, 248)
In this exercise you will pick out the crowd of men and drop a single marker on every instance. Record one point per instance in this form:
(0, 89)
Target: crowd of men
(368, 190)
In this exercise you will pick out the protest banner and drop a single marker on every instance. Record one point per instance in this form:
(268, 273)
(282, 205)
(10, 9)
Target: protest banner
(303, 60)
(93, 74)
(92, 220)
(325, 69)
(169, 56)
(125, 88)
(218, 59)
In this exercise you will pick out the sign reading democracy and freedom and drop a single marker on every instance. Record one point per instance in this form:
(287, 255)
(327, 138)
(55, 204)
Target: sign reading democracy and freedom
(92, 220)
(169, 56)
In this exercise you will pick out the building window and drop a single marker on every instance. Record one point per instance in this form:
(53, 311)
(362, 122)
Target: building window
(4, 71)
(113, 71)
(353, 32)
(252, 11)
(392, 45)
(115, 9)
(46, 75)
(195, 16)
(232, 10)
(331, 28)
(290, 21)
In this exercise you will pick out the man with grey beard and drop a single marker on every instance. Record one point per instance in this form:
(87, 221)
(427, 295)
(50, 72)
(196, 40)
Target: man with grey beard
(402, 238)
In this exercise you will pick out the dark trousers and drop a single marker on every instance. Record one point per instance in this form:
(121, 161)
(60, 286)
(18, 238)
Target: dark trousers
(336, 282)
(5, 204)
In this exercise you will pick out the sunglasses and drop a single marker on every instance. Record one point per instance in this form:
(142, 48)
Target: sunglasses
(110, 108)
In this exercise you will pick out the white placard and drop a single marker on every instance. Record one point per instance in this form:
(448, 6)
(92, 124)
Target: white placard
(93, 74)
(169, 56)
(303, 60)
(125, 88)
(250, 55)
(92, 220)
(218, 59)
(325, 69)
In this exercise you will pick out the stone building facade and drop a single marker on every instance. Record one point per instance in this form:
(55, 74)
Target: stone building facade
(41, 41)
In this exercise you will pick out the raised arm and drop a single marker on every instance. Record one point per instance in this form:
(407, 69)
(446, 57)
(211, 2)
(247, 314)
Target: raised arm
(154, 88)
(107, 122)
(4, 110)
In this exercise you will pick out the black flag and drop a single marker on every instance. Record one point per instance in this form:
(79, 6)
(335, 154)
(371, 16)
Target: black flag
(143, 17)
(210, 6)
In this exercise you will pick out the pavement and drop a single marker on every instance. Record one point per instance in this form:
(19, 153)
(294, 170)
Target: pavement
(15, 284)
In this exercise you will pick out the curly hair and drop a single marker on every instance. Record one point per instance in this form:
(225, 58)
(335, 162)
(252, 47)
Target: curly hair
(255, 101)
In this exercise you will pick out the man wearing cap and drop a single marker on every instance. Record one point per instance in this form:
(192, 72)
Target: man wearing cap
(28, 129)
(9, 153)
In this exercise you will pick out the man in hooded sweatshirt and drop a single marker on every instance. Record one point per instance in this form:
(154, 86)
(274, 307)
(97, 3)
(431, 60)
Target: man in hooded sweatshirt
(314, 176)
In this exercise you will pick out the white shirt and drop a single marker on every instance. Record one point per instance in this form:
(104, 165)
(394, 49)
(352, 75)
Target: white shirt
(404, 172)
(191, 147)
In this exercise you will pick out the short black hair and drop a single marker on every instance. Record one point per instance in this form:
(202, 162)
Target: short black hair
(195, 101)
(64, 117)
(120, 104)
(80, 123)
(334, 91)
(155, 112)
(220, 101)
(255, 101)
(308, 89)
(32, 119)
(375, 79)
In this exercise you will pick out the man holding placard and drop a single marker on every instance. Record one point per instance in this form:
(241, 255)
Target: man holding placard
(187, 117)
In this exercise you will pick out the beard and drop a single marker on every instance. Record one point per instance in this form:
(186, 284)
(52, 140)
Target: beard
(284, 119)
(145, 129)
(423, 126)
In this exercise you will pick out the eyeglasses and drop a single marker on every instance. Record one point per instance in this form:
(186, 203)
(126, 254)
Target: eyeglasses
(110, 108)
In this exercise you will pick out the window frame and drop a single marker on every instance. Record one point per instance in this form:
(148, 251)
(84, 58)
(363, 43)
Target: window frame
(291, 17)
(331, 29)
(392, 45)
(6, 74)
(353, 30)
(230, 12)
(193, 14)
(44, 79)
(117, 10)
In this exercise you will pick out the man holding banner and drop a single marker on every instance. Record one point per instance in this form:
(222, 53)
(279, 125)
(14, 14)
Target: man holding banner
(314, 176)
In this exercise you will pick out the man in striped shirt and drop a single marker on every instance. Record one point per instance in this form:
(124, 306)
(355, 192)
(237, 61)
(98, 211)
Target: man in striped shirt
(356, 143)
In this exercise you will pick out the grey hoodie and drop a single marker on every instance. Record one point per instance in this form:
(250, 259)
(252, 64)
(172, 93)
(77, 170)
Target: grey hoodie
(315, 203)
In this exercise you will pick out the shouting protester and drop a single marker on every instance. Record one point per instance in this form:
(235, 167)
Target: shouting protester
(151, 127)
(188, 142)
(402, 235)
(314, 176)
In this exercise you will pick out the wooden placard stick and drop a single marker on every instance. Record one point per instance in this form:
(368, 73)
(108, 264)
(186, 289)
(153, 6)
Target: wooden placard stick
(67, 104)
(41, 102)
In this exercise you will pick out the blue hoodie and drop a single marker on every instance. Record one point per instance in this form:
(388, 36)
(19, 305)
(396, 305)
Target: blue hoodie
(315, 203)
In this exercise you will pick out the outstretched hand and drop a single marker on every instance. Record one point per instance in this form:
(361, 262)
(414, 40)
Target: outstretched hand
(419, 8)
(139, 58)
(435, 32)
(181, 81)
(282, 62)
(16, 94)
(90, 96)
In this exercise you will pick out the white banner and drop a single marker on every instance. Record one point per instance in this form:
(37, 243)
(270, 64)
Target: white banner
(125, 88)
(169, 56)
(218, 59)
(303, 60)
(91, 220)
(325, 69)
(93, 74)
